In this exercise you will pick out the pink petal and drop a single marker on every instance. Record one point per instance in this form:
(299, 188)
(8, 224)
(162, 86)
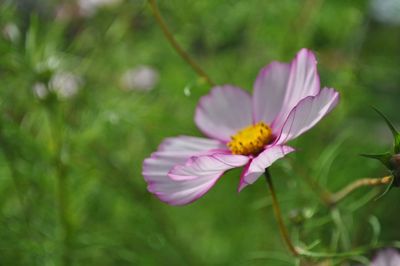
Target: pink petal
(174, 151)
(307, 113)
(264, 160)
(192, 180)
(191, 144)
(210, 165)
(387, 257)
(269, 91)
(303, 82)
(224, 111)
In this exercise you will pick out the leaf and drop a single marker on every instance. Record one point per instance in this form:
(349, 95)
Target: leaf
(376, 229)
(326, 158)
(396, 134)
(388, 188)
(383, 158)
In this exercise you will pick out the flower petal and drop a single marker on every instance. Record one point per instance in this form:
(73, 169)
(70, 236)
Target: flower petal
(192, 180)
(386, 257)
(258, 165)
(307, 113)
(210, 165)
(269, 91)
(303, 82)
(174, 151)
(223, 112)
(191, 144)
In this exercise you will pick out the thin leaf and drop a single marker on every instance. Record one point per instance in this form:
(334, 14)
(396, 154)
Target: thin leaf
(396, 134)
(388, 188)
(376, 229)
(382, 157)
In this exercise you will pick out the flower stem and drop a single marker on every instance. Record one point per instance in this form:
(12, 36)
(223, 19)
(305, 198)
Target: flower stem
(341, 194)
(278, 215)
(347, 254)
(330, 199)
(175, 45)
(62, 192)
(61, 171)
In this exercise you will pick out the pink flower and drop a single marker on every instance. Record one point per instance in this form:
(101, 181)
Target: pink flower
(386, 257)
(242, 130)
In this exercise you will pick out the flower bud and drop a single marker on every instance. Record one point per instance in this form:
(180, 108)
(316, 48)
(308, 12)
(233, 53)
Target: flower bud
(395, 167)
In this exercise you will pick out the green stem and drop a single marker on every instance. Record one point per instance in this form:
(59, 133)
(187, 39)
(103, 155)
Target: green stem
(63, 205)
(175, 45)
(61, 187)
(330, 199)
(343, 232)
(355, 252)
(326, 255)
(278, 215)
(341, 194)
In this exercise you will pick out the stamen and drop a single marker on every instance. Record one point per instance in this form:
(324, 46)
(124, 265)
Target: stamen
(251, 140)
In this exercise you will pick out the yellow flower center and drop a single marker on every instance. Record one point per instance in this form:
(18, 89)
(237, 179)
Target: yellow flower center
(251, 140)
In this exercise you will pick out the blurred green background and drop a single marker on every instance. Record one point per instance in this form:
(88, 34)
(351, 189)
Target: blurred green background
(90, 88)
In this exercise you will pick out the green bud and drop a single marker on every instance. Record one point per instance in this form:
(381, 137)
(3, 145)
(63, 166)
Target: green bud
(395, 168)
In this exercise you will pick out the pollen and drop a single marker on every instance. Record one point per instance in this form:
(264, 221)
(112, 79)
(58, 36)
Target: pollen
(251, 140)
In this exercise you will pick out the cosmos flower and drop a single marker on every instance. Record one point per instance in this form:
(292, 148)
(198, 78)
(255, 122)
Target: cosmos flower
(243, 131)
(386, 257)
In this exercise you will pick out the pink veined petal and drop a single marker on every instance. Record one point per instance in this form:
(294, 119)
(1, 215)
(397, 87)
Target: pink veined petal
(258, 165)
(224, 111)
(192, 180)
(303, 82)
(387, 257)
(269, 91)
(207, 165)
(174, 151)
(189, 144)
(307, 113)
